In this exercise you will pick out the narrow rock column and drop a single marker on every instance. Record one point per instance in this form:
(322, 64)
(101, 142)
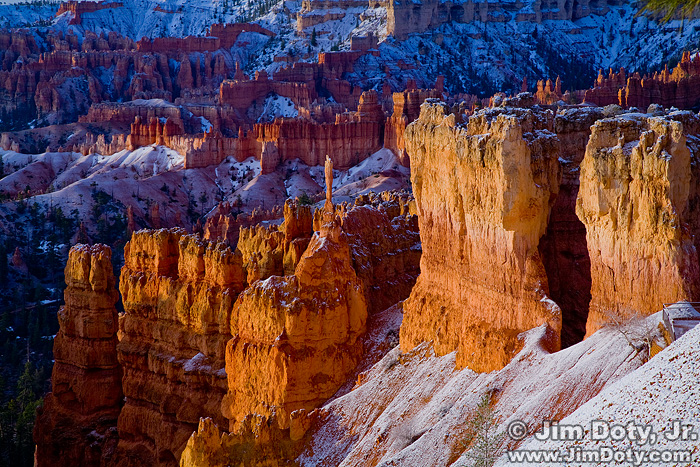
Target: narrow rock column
(635, 201)
(76, 425)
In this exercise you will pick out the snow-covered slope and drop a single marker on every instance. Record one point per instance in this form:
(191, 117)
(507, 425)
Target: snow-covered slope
(156, 174)
(415, 409)
(661, 395)
(23, 13)
(475, 57)
(170, 18)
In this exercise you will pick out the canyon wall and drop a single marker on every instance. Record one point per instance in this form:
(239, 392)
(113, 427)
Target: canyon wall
(406, 109)
(406, 17)
(668, 88)
(637, 200)
(294, 343)
(563, 248)
(483, 192)
(177, 292)
(76, 425)
(252, 337)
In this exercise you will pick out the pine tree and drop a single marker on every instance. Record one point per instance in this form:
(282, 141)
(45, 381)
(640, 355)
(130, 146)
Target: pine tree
(670, 8)
(483, 439)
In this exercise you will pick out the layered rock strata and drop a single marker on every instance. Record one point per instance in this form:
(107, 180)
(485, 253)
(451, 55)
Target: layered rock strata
(207, 331)
(178, 292)
(668, 88)
(76, 424)
(483, 191)
(294, 336)
(637, 200)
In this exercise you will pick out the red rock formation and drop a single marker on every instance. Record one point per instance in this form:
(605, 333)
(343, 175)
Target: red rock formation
(288, 341)
(351, 139)
(76, 424)
(178, 293)
(224, 226)
(77, 8)
(383, 235)
(483, 193)
(548, 93)
(406, 110)
(241, 94)
(679, 88)
(563, 247)
(154, 132)
(348, 143)
(228, 33)
(295, 336)
(635, 201)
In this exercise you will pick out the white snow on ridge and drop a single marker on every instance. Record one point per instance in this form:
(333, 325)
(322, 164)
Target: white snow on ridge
(414, 409)
(664, 390)
(277, 106)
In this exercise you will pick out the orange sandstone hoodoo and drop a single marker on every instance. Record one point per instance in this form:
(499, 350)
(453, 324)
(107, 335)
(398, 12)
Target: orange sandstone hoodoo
(483, 192)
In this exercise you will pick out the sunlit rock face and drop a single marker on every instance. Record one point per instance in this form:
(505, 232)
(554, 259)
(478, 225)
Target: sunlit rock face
(178, 292)
(638, 201)
(483, 190)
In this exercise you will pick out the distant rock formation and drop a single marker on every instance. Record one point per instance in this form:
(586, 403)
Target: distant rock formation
(405, 17)
(406, 110)
(678, 88)
(349, 140)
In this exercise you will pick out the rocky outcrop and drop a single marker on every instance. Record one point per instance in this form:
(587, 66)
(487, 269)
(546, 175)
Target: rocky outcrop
(483, 191)
(178, 293)
(224, 224)
(678, 88)
(78, 8)
(382, 230)
(76, 425)
(269, 250)
(405, 17)
(636, 198)
(406, 110)
(349, 140)
(294, 343)
(252, 337)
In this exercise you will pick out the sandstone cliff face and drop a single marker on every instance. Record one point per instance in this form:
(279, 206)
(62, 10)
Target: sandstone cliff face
(76, 424)
(295, 336)
(635, 200)
(178, 293)
(385, 246)
(483, 192)
(207, 331)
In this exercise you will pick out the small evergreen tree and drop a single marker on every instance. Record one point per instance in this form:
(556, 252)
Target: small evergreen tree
(483, 439)
(668, 9)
